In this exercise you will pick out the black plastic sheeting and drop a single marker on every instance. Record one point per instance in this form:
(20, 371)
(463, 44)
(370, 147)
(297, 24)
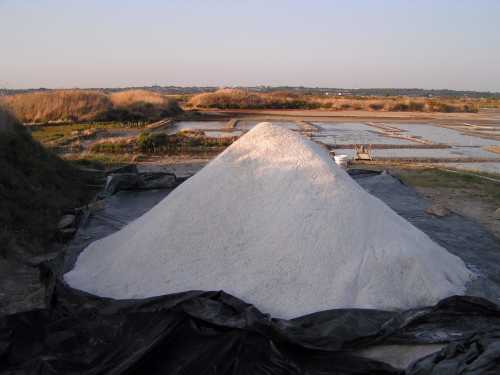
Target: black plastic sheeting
(215, 333)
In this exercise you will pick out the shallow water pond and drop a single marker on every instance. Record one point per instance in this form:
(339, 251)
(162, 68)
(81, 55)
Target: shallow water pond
(223, 134)
(447, 136)
(455, 152)
(196, 125)
(249, 124)
(353, 133)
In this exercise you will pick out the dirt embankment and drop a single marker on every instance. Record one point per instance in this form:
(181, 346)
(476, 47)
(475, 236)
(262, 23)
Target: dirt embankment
(36, 187)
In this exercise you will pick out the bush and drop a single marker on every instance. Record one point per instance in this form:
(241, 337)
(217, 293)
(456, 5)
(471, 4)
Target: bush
(416, 106)
(399, 107)
(151, 142)
(160, 142)
(376, 106)
(471, 108)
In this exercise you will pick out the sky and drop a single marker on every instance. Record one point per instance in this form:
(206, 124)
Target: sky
(453, 44)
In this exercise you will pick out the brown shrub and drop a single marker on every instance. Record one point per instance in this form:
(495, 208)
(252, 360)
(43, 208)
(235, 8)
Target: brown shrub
(416, 106)
(376, 106)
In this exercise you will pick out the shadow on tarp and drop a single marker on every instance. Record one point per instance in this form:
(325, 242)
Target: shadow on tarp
(215, 333)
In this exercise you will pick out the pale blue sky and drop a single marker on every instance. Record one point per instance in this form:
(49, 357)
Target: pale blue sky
(110, 43)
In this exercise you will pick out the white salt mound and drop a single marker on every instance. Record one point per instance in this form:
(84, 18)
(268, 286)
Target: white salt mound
(275, 222)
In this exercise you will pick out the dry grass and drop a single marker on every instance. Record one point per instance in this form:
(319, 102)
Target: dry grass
(400, 104)
(489, 103)
(495, 149)
(86, 105)
(242, 99)
(61, 105)
(126, 98)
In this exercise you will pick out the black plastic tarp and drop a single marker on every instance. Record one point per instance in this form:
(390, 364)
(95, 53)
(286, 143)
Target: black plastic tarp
(214, 333)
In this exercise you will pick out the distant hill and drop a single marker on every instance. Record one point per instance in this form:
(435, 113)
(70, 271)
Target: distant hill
(179, 90)
(411, 92)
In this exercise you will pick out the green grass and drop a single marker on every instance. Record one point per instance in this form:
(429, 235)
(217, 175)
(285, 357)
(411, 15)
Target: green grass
(111, 148)
(437, 178)
(46, 134)
(99, 160)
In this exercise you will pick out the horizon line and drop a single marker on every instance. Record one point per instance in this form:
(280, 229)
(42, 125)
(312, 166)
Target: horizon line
(246, 87)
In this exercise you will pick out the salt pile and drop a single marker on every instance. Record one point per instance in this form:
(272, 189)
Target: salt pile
(275, 222)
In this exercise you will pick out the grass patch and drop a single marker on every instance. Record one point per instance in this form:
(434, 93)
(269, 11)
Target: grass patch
(53, 136)
(112, 147)
(46, 134)
(185, 141)
(99, 160)
(437, 178)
